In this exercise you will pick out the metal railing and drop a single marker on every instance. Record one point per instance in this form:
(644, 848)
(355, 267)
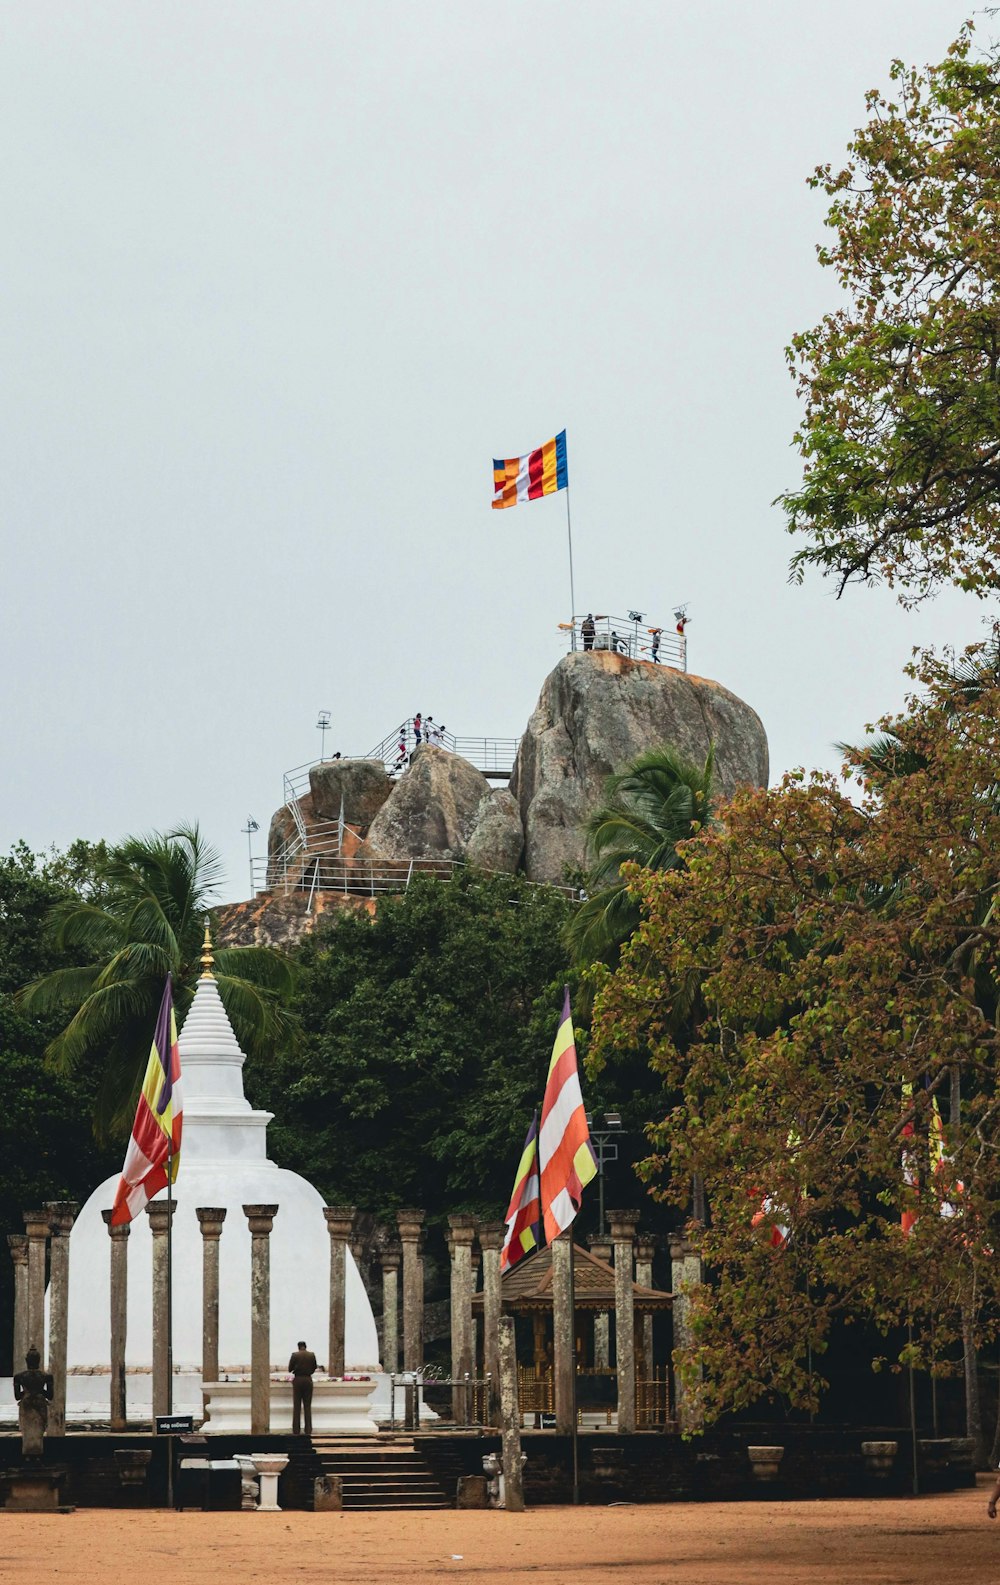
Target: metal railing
(494, 756)
(469, 1396)
(633, 635)
(304, 869)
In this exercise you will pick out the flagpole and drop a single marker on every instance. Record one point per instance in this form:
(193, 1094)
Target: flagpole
(572, 593)
(170, 1273)
(573, 1433)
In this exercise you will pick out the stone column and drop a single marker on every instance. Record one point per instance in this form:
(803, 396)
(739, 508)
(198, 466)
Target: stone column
(210, 1219)
(563, 1331)
(161, 1213)
(119, 1319)
(685, 1272)
(510, 1416)
(623, 1225)
(36, 1224)
(261, 1219)
(62, 1215)
(491, 1236)
(391, 1258)
(19, 1255)
(462, 1230)
(339, 1224)
(410, 1222)
(645, 1251)
(602, 1248)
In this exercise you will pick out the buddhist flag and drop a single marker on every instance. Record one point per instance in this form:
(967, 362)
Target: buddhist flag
(541, 472)
(524, 1214)
(156, 1132)
(565, 1153)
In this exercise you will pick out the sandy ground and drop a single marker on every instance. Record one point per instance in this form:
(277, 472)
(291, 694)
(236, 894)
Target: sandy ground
(934, 1539)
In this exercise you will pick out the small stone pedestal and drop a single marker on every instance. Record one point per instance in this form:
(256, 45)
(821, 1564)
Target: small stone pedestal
(132, 1465)
(269, 1466)
(35, 1489)
(764, 1461)
(879, 1457)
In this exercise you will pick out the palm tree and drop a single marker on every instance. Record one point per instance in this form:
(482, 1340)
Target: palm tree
(658, 801)
(150, 921)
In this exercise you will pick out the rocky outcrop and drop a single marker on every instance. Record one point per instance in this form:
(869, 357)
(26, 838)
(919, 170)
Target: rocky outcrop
(361, 786)
(432, 810)
(596, 711)
(497, 839)
(280, 919)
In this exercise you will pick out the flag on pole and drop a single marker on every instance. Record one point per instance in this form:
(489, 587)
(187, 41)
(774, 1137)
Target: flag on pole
(524, 1215)
(565, 1154)
(156, 1132)
(541, 472)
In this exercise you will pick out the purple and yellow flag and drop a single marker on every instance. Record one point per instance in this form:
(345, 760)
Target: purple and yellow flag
(541, 472)
(156, 1132)
(524, 1213)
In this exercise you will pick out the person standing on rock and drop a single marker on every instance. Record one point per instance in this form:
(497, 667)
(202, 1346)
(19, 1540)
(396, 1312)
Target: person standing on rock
(655, 646)
(430, 732)
(418, 727)
(302, 1367)
(587, 629)
(401, 750)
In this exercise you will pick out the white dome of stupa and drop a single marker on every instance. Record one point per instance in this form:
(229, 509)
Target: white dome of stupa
(223, 1163)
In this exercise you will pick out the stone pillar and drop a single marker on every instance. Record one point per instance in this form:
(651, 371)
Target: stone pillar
(623, 1225)
(645, 1250)
(261, 1219)
(36, 1225)
(160, 1213)
(62, 1215)
(119, 1319)
(602, 1248)
(685, 1272)
(19, 1255)
(510, 1416)
(462, 1230)
(391, 1257)
(339, 1224)
(563, 1331)
(210, 1219)
(410, 1223)
(491, 1236)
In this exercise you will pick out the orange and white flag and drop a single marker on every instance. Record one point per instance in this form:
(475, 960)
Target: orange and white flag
(565, 1153)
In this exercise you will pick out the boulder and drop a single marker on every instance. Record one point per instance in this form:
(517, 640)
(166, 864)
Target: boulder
(361, 784)
(497, 839)
(597, 711)
(432, 809)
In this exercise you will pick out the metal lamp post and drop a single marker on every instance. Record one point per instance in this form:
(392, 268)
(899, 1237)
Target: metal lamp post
(248, 831)
(602, 1137)
(323, 727)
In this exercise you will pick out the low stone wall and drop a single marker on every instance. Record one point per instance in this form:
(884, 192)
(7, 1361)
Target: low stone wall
(658, 1467)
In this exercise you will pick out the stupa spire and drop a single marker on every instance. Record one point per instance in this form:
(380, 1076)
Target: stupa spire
(207, 957)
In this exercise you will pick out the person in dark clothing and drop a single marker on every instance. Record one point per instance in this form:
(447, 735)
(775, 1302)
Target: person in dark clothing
(587, 629)
(302, 1367)
(655, 647)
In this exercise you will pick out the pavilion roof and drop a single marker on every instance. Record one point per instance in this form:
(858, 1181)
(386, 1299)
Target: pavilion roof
(529, 1285)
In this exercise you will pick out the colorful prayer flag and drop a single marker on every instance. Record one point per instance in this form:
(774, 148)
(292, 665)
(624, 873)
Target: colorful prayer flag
(565, 1153)
(541, 472)
(156, 1132)
(524, 1215)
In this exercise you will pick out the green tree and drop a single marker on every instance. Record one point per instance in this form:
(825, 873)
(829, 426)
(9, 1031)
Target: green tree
(901, 384)
(848, 957)
(427, 1035)
(146, 919)
(653, 805)
(46, 1150)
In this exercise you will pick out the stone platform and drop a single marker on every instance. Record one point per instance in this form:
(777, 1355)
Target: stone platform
(338, 1407)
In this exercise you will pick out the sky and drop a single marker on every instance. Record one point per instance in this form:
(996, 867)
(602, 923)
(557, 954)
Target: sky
(277, 281)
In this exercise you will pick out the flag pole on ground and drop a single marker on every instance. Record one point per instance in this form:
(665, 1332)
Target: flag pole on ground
(567, 1164)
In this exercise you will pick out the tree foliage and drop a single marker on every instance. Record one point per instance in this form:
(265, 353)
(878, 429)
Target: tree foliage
(427, 1035)
(144, 917)
(901, 384)
(846, 959)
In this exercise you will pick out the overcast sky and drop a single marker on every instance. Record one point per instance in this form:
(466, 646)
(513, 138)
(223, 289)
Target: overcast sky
(278, 282)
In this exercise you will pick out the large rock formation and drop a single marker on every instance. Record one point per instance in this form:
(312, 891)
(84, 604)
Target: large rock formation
(438, 808)
(597, 711)
(359, 786)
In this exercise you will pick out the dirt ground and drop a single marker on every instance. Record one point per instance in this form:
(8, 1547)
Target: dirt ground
(935, 1540)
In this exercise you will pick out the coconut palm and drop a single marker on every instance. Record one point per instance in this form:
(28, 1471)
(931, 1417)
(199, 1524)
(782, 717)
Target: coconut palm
(150, 921)
(658, 801)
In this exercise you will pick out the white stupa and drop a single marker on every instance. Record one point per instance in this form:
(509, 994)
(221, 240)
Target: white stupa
(223, 1162)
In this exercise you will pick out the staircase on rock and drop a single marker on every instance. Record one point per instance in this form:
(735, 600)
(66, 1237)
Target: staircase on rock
(383, 1473)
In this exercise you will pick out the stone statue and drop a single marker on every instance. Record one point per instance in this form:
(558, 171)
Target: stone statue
(33, 1393)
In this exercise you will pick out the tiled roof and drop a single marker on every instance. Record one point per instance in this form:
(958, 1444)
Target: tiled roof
(529, 1285)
